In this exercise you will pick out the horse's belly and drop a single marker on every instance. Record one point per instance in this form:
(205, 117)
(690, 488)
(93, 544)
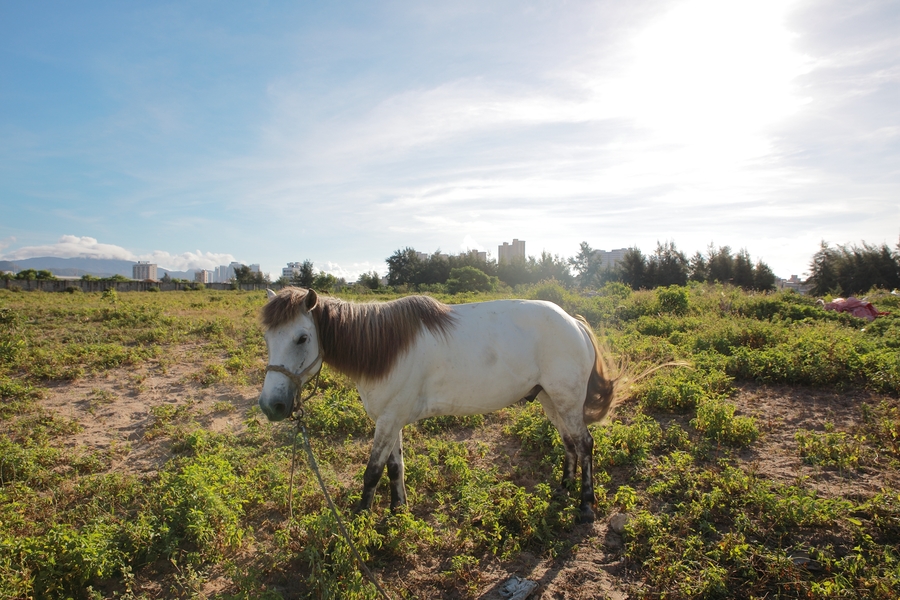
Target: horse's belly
(490, 373)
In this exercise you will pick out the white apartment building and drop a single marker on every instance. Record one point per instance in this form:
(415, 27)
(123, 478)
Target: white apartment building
(482, 256)
(291, 270)
(203, 276)
(143, 271)
(225, 274)
(509, 252)
(611, 258)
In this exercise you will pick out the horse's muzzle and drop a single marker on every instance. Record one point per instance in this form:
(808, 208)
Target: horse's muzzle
(277, 403)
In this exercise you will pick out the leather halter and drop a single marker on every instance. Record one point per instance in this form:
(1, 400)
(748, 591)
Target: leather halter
(297, 378)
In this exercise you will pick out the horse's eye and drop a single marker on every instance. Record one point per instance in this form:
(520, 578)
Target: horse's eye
(303, 339)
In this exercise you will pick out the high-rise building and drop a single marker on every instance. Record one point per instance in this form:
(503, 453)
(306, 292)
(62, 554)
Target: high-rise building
(611, 258)
(224, 274)
(509, 252)
(291, 271)
(144, 271)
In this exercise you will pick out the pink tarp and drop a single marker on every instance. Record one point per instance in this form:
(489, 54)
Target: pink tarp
(856, 307)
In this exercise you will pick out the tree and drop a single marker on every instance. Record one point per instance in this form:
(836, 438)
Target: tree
(721, 265)
(324, 282)
(27, 275)
(632, 269)
(698, 268)
(514, 272)
(471, 259)
(763, 277)
(743, 270)
(587, 266)
(470, 279)
(404, 267)
(370, 280)
(553, 267)
(667, 266)
(435, 269)
(823, 270)
(243, 275)
(305, 275)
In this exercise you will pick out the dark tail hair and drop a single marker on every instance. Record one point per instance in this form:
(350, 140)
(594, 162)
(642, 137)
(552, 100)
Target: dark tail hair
(601, 395)
(607, 384)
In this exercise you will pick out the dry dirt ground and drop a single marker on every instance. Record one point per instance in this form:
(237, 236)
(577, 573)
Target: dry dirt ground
(116, 413)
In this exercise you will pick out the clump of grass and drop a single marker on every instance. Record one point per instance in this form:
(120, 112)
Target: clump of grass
(716, 421)
(831, 448)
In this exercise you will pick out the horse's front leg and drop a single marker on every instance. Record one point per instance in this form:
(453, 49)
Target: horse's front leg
(387, 438)
(396, 473)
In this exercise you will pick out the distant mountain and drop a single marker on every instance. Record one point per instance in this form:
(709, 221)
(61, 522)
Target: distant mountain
(77, 267)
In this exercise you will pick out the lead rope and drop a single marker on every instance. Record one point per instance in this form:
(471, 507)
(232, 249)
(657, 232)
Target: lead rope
(298, 416)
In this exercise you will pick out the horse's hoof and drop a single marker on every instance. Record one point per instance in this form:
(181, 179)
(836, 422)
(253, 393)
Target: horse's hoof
(585, 515)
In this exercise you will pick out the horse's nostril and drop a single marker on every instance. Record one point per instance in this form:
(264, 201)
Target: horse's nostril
(280, 408)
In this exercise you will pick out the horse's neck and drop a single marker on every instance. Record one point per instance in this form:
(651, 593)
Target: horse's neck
(334, 326)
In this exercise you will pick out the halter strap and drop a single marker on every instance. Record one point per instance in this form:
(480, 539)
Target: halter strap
(297, 378)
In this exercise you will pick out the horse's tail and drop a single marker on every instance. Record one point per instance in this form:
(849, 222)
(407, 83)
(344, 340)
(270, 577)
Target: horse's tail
(609, 380)
(601, 395)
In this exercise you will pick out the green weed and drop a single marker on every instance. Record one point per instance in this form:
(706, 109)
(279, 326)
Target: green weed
(716, 420)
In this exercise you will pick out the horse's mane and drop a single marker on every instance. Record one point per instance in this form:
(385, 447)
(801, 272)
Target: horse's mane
(363, 339)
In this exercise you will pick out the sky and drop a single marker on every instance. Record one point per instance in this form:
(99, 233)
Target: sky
(196, 133)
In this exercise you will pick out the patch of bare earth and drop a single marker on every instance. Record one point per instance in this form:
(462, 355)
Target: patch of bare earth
(115, 410)
(781, 411)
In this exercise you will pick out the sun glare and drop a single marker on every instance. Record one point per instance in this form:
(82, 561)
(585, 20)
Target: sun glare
(710, 69)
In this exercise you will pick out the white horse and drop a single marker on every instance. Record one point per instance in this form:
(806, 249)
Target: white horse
(415, 358)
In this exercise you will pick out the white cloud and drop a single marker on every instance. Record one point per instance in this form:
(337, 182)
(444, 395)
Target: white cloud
(71, 246)
(352, 271)
(188, 260)
(469, 243)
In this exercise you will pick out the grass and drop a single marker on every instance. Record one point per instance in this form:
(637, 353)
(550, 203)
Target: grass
(704, 521)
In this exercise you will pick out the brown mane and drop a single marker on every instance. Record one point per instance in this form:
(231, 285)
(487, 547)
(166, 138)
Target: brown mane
(363, 340)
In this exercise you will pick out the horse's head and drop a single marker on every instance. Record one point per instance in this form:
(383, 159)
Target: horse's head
(294, 349)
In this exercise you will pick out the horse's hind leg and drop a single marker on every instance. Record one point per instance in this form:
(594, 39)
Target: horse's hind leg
(585, 450)
(579, 451)
(570, 462)
(396, 472)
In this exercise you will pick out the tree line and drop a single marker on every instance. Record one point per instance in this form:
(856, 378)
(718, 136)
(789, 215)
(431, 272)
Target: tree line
(305, 276)
(850, 269)
(665, 266)
(407, 268)
(669, 266)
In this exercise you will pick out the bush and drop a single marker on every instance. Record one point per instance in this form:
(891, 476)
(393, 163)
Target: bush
(672, 299)
(470, 279)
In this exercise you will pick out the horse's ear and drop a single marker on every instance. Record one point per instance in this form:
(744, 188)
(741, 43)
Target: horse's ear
(311, 300)
(269, 293)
